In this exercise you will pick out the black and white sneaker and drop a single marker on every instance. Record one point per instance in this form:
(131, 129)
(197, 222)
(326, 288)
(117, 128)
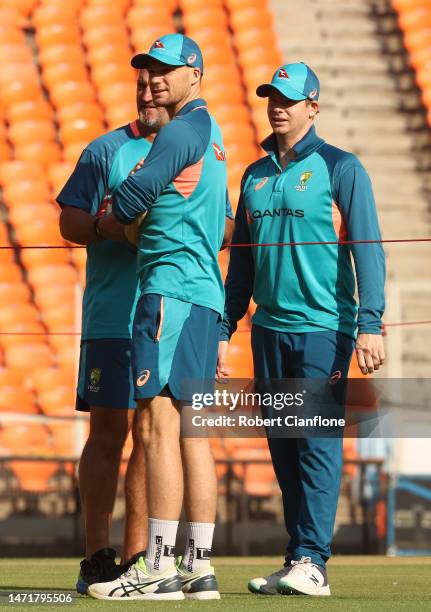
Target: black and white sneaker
(101, 567)
(138, 583)
(305, 578)
(198, 585)
(267, 585)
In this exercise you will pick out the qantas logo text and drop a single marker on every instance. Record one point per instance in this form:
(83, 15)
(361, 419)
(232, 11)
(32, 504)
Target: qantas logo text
(277, 212)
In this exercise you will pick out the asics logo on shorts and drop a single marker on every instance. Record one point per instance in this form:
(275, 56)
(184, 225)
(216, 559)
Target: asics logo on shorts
(143, 378)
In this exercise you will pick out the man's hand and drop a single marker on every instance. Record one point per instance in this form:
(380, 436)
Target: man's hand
(110, 228)
(370, 352)
(222, 371)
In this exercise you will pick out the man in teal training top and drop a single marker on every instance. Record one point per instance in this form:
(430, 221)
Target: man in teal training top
(183, 190)
(307, 319)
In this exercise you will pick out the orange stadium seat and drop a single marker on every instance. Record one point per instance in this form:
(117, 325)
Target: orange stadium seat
(251, 17)
(62, 441)
(72, 152)
(61, 53)
(10, 377)
(77, 4)
(68, 352)
(113, 72)
(54, 296)
(39, 232)
(61, 318)
(24, 7)
(46, 275)
(10, 17)
(19, 334)
(26, 355)
(15, 53)
(80, 130)
(46, 153)
(36, 109)
(408, 5)
(194, 5)
(238, 5)
(65, 71)
(10, 273)
(44, 379)
(260, 480)
(104, 14)
(34, 476)
(217, 92)
(11, 36)
(231, 113)
(117, 93)
(71, 92)
(108, 52)
(24, 191)
(47, 14)
(25, 438)
(5, 152)
(57, 401)
(157, 14)
(79, 111)
(30, 130)
(115, 33)
(14, 293)
(122, 4)
(14, 92)
(171, 5)
(38, 257)
(18, 313)
(15, 170)
(240, 359)
(207, 16)
(418, 40)
(58, 34)
(58, 174)
(19, 71)
(17, 399)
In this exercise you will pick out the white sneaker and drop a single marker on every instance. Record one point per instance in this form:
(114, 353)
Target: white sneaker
(305, 578)
(267, 585)
(198, 585)
(138, 583)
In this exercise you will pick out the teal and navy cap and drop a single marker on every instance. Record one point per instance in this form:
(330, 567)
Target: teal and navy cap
(174, 50)
(294, 81)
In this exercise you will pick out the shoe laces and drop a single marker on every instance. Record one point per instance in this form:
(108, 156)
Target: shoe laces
(303, 565)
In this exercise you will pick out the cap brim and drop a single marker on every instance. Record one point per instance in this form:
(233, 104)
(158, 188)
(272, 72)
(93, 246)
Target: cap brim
(265, 90)
(141, 60)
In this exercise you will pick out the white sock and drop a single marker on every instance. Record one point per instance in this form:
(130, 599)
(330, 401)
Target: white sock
(198, 546)
(161, 545)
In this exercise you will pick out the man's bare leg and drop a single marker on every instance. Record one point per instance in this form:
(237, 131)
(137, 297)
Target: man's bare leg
(136, 523)
(159, 429)
(200, 503)
(98, 473)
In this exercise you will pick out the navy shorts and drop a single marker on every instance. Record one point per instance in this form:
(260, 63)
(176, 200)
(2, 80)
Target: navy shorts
(174, 343)
(105, 374)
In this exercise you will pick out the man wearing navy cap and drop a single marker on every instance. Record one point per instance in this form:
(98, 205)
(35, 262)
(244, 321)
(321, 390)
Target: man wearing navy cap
(307, 319)
(180, 197)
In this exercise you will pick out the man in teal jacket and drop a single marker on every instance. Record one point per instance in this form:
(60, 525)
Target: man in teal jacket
(307, 319)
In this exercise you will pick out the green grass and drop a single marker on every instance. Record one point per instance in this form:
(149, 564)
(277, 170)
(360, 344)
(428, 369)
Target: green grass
(357, 583)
